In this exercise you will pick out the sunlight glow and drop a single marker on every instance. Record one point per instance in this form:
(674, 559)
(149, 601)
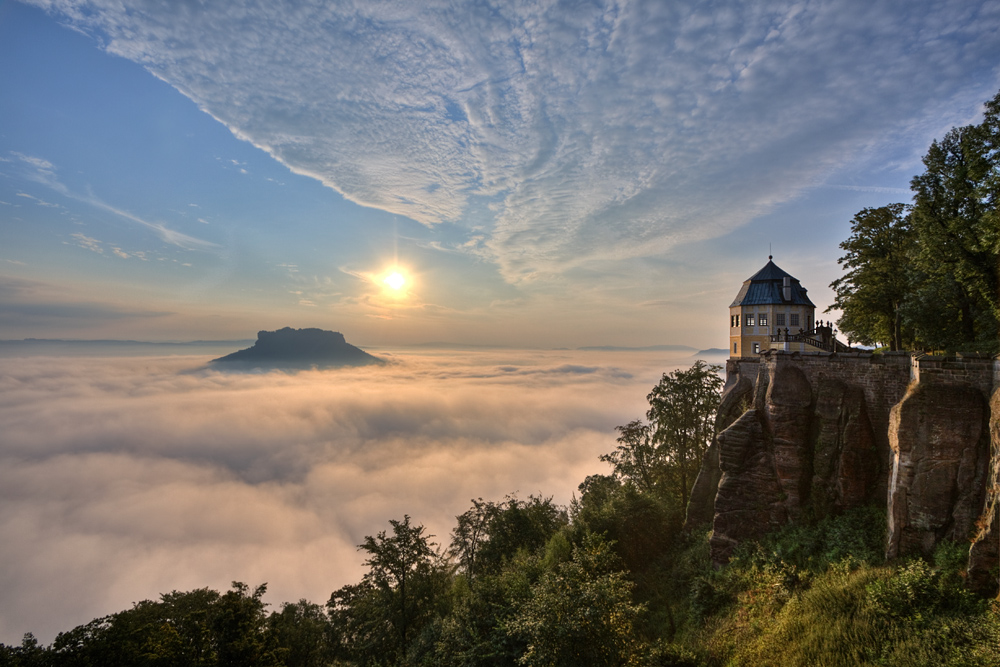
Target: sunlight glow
(395, 280)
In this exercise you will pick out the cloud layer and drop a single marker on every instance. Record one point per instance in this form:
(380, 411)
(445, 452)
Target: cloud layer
(125, 478)
(605, 129)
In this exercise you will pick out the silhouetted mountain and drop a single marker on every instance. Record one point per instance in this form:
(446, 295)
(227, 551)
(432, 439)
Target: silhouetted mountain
(299, 348)
(712, 351)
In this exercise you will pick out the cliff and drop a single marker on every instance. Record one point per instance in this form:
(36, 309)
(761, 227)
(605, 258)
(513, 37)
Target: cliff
(800, 437)
(298, 349)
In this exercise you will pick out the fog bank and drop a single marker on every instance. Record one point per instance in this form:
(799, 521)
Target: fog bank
(124, 478)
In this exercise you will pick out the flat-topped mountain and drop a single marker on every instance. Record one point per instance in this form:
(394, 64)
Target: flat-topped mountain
(299, 348)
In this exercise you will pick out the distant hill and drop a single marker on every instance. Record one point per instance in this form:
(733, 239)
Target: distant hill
(712, 351)
(299, 349)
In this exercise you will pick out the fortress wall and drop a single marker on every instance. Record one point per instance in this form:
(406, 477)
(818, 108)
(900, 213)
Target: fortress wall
(979, 372)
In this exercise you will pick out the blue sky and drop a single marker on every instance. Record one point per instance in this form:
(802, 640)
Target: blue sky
(545, 173)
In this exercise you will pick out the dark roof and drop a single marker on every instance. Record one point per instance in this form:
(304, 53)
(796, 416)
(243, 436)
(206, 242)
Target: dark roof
(765, 287)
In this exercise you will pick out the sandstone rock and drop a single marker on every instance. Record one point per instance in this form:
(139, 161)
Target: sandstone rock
(845, 458)
(984, 557)
(787, 416)
(749, 500)
(701, 507)
(939, 455)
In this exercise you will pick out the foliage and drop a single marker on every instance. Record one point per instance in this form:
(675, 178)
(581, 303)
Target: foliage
(663, 456)
(930, 278)
(479, 632)
(641, 526)
(489, 533)
(872, 291)
(581, 613)
(377, 620)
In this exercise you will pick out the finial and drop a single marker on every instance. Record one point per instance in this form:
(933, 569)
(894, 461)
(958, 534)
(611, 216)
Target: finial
(769, 257)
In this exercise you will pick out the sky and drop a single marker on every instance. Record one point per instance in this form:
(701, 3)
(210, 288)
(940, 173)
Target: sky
(122, 478)
(541, 173)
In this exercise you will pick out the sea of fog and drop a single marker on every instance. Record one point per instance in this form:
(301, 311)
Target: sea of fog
(127, 475)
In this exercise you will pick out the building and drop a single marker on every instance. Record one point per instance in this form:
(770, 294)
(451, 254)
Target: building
(773, 310)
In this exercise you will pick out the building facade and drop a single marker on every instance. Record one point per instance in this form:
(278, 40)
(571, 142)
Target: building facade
(771, 305)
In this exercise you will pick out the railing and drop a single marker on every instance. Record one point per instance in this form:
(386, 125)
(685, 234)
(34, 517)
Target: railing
(821, 338)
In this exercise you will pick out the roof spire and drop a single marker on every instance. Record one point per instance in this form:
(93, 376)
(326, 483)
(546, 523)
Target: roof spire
(769, 256)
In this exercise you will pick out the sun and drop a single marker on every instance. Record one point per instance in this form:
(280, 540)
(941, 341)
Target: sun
(395, 280)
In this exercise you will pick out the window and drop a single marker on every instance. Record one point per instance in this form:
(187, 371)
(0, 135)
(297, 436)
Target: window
(809, 322)
(794, 319)
(756, 348)
(734, 345)
(762, 319)
(749, 320)
(734, 321)
(779, 319)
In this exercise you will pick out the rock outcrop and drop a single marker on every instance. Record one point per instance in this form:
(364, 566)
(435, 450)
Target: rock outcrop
(940, 453)
(737, 396)
(984, 556)
(298, 349)
(821, 435)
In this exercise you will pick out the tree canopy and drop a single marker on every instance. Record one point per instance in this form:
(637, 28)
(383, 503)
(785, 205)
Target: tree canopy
(927, 276)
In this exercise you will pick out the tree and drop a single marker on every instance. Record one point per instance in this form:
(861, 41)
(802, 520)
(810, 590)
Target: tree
(582, 613)
(489, 533)
(664, 456)
(956, 222)
(872, 292)
(378, 619)
(302, 630)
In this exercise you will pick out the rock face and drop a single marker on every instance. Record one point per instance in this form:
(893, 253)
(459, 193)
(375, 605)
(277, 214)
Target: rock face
(749, 499)
(940, 453)
(736, 398)
(809, 437)
(844, 458)
(984, 557)
(803, 450)
(297, 349)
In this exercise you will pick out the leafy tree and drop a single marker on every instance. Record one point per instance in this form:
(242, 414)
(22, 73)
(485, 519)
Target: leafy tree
(955, 219)
(582, 613)
(478, 632)
(239, 625)
(663, 456)
(641, 526)
(490, 533)
(872, 293)
(378, 619)
(302, 631)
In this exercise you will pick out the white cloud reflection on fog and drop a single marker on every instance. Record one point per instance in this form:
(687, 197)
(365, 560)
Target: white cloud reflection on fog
(124, 478)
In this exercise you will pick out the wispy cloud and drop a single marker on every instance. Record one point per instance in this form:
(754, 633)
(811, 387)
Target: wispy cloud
(89, 243)
(603, 131)
(44, 173)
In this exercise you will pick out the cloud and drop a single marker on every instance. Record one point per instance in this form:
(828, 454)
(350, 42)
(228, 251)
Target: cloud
(126, 478)
(88, 243)
(607, 130)
(44, 173)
